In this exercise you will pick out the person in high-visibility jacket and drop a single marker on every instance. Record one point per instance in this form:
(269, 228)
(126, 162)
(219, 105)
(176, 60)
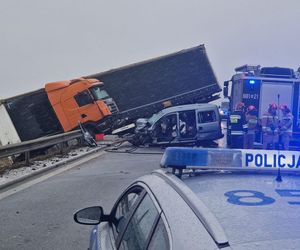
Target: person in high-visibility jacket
(285, 126)
(252, 120)
(237, 126)
(270, 129)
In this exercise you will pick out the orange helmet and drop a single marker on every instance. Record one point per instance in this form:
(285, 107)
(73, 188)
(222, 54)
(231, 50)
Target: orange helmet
(251, 107)
(273, 106)
(285, 108)
(240, 106)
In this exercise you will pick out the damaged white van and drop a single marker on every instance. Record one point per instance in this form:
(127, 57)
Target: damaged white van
(185, 124)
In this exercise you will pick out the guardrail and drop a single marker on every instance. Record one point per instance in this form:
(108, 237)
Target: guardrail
(28, 146)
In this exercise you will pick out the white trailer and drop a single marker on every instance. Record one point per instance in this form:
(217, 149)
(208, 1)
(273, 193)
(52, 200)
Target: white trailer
(8, 133)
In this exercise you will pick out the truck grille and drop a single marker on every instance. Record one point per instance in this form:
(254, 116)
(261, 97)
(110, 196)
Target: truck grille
(112, 106)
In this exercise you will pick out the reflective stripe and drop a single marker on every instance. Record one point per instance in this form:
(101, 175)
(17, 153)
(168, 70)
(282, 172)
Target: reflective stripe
(270, 116)
(235, 116)
(245, 126)
(237, 132)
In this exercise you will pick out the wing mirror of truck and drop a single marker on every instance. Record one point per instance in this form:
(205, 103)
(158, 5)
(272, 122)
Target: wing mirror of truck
(90, 216)
(225, 89)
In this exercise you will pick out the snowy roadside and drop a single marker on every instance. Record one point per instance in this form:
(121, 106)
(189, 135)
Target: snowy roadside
(14, 175)
(38, 166)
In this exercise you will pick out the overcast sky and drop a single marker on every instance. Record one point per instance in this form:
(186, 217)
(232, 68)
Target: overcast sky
(44, 41)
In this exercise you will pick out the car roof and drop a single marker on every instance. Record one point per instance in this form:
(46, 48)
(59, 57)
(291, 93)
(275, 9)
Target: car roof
(269, 221)
(267, 212)
(188, 107)
(197, 106)
(182, 222)
(254, 206)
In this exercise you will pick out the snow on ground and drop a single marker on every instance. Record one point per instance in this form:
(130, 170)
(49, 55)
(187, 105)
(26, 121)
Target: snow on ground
(13, 174)
(38, 165)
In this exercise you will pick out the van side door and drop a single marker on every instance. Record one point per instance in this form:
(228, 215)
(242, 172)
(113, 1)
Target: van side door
(187, 124)
(208, 124)
(165, 129)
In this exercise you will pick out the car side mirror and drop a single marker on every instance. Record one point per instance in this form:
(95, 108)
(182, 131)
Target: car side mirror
(89, 216)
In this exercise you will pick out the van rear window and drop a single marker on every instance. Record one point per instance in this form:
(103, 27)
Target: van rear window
(206, 116)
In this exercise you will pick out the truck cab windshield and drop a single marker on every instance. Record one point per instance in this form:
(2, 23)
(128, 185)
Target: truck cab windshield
(98, 93)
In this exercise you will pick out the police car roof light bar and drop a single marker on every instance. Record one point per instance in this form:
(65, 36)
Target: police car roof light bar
(179, 158)
(197, 158)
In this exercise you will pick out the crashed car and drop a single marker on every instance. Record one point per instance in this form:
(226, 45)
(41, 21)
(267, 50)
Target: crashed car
(185, 124)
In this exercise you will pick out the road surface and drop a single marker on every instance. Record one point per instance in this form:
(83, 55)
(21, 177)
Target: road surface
(40, 214)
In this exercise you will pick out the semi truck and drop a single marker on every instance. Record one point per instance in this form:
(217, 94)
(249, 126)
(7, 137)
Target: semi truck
(106, 101)
(262, 86)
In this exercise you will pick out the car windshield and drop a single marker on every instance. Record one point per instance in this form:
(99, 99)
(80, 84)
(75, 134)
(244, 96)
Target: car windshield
(154, 117)
(99, 93)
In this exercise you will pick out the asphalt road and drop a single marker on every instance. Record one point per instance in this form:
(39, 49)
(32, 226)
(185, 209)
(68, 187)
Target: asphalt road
(40, 216)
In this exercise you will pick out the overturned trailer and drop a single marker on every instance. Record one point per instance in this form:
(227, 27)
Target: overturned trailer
(142, 89)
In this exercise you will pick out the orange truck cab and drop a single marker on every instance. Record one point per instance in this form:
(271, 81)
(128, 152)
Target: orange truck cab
(80, 100)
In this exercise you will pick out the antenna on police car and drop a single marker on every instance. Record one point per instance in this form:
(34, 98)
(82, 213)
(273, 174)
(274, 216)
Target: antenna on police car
(278, 178)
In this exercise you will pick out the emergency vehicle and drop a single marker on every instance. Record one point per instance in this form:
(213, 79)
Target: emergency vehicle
(262, 86)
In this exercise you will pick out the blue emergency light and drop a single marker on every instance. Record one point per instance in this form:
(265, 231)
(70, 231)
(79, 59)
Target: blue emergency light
(252, 82)
(181, 158)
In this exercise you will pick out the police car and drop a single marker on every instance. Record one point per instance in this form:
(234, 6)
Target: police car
(206, 199)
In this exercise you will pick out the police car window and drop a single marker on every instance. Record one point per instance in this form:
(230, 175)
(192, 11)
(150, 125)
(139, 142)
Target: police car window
(207, 116)
(160, 238)
(140, 226)
(83, 98)
(123, 208)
